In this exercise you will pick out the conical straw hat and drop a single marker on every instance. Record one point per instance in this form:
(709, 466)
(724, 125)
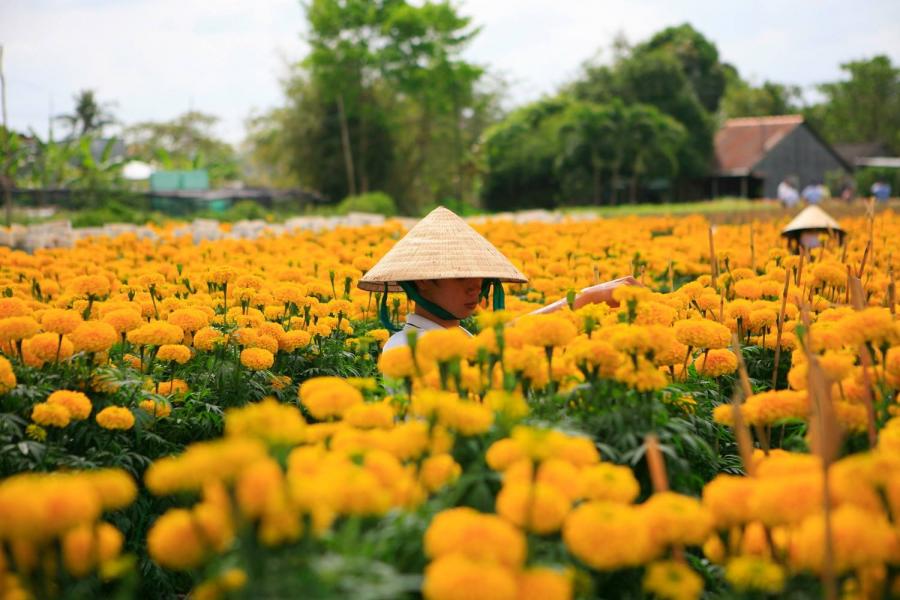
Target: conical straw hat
(812, 217)
(440, 246)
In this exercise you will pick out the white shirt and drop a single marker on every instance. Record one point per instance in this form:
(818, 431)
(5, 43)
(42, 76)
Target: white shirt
(416, 323)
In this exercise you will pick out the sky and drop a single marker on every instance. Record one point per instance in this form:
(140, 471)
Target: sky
(155, 59)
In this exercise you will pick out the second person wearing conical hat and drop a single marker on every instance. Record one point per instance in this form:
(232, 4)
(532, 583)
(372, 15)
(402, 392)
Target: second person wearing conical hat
(446, 268)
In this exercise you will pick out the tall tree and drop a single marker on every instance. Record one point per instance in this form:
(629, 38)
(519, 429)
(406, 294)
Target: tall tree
(865, 107)
(186, 142)
(89, 116)
(742, 99)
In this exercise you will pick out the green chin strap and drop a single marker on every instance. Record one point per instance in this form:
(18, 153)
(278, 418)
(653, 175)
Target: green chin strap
(499, 302)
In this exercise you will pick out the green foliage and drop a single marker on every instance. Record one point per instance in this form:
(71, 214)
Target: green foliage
(373, 202)
(863, 108)
(383, 101)
(187, 142)
(90, 116)
(744, 100)
(866, 176)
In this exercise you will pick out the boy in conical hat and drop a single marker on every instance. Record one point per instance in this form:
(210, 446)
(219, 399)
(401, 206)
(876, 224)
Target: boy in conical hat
(446, 268)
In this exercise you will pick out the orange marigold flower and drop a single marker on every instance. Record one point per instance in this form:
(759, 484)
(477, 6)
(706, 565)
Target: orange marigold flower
(78, 405)
(13, 307)
(7, 376)
(50, 415)
(60, 321)
(157, 333)
(716, 363)
(700, 333)
(123, 319)
(48, 346)
(115, 417)
(208, 338)
(157, 408)
(18, 328)
(89, 285)
(257, 359)
(93, 336)
(174, 352)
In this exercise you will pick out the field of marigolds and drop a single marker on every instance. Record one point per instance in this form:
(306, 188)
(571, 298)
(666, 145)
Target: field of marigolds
(215, 420)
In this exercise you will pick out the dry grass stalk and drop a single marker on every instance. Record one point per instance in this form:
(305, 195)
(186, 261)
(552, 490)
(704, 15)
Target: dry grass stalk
(656, 463)
(784, 296)
(742, 435)
(826, 439)
(713, 261)
(762, 433)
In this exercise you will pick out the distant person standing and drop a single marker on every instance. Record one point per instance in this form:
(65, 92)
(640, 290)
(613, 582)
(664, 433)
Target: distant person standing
(848, 190)
(881, 189)
(812, 194)
(787, 193)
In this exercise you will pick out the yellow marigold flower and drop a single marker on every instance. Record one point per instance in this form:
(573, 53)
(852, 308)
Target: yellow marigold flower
(258, 487)
(157, 333)
(755, 573)
(268, 420)
(61, 321)
(175, 386)
(397, 362)
(873, 324)
(511, 405)
(654, 313)
(672, 580)
(550, 330)
(380, 335)
(78, 405)
(156, 408)
(207, 338)
(89, 285)
(123, 319)
(222, 275)
(7, 375)
(541, 583)
(727, 498)
(46, 347)
(467, 418)
(18, 328)
(189, 319)
(368, 415)
(175, 541)
(178, 353)
(613, 483)
(700, 333)
(443, 345)
(457, 577)
(115, 488)
(504, 453)
(115, 417)
(540, 508)
(86, 547)
(50, 415)
(93, 336)
(481, 537)
(772, 406)
(748, 288)
(326, 397)
(716, 363)
(257, 359)
(830, 273)
(36, 432)
(859, 537)
(438, 471)
(13, 307)
(596, 354)
(608, 536)
(203, 462)
(293, 339)
(677, 519)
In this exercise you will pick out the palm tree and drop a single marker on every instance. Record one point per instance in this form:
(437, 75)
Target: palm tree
(90, 116)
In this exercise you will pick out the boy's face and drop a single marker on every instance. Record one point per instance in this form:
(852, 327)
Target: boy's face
(458, 296)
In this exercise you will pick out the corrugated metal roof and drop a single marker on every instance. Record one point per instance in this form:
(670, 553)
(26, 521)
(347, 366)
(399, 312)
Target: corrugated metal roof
(741, 143)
